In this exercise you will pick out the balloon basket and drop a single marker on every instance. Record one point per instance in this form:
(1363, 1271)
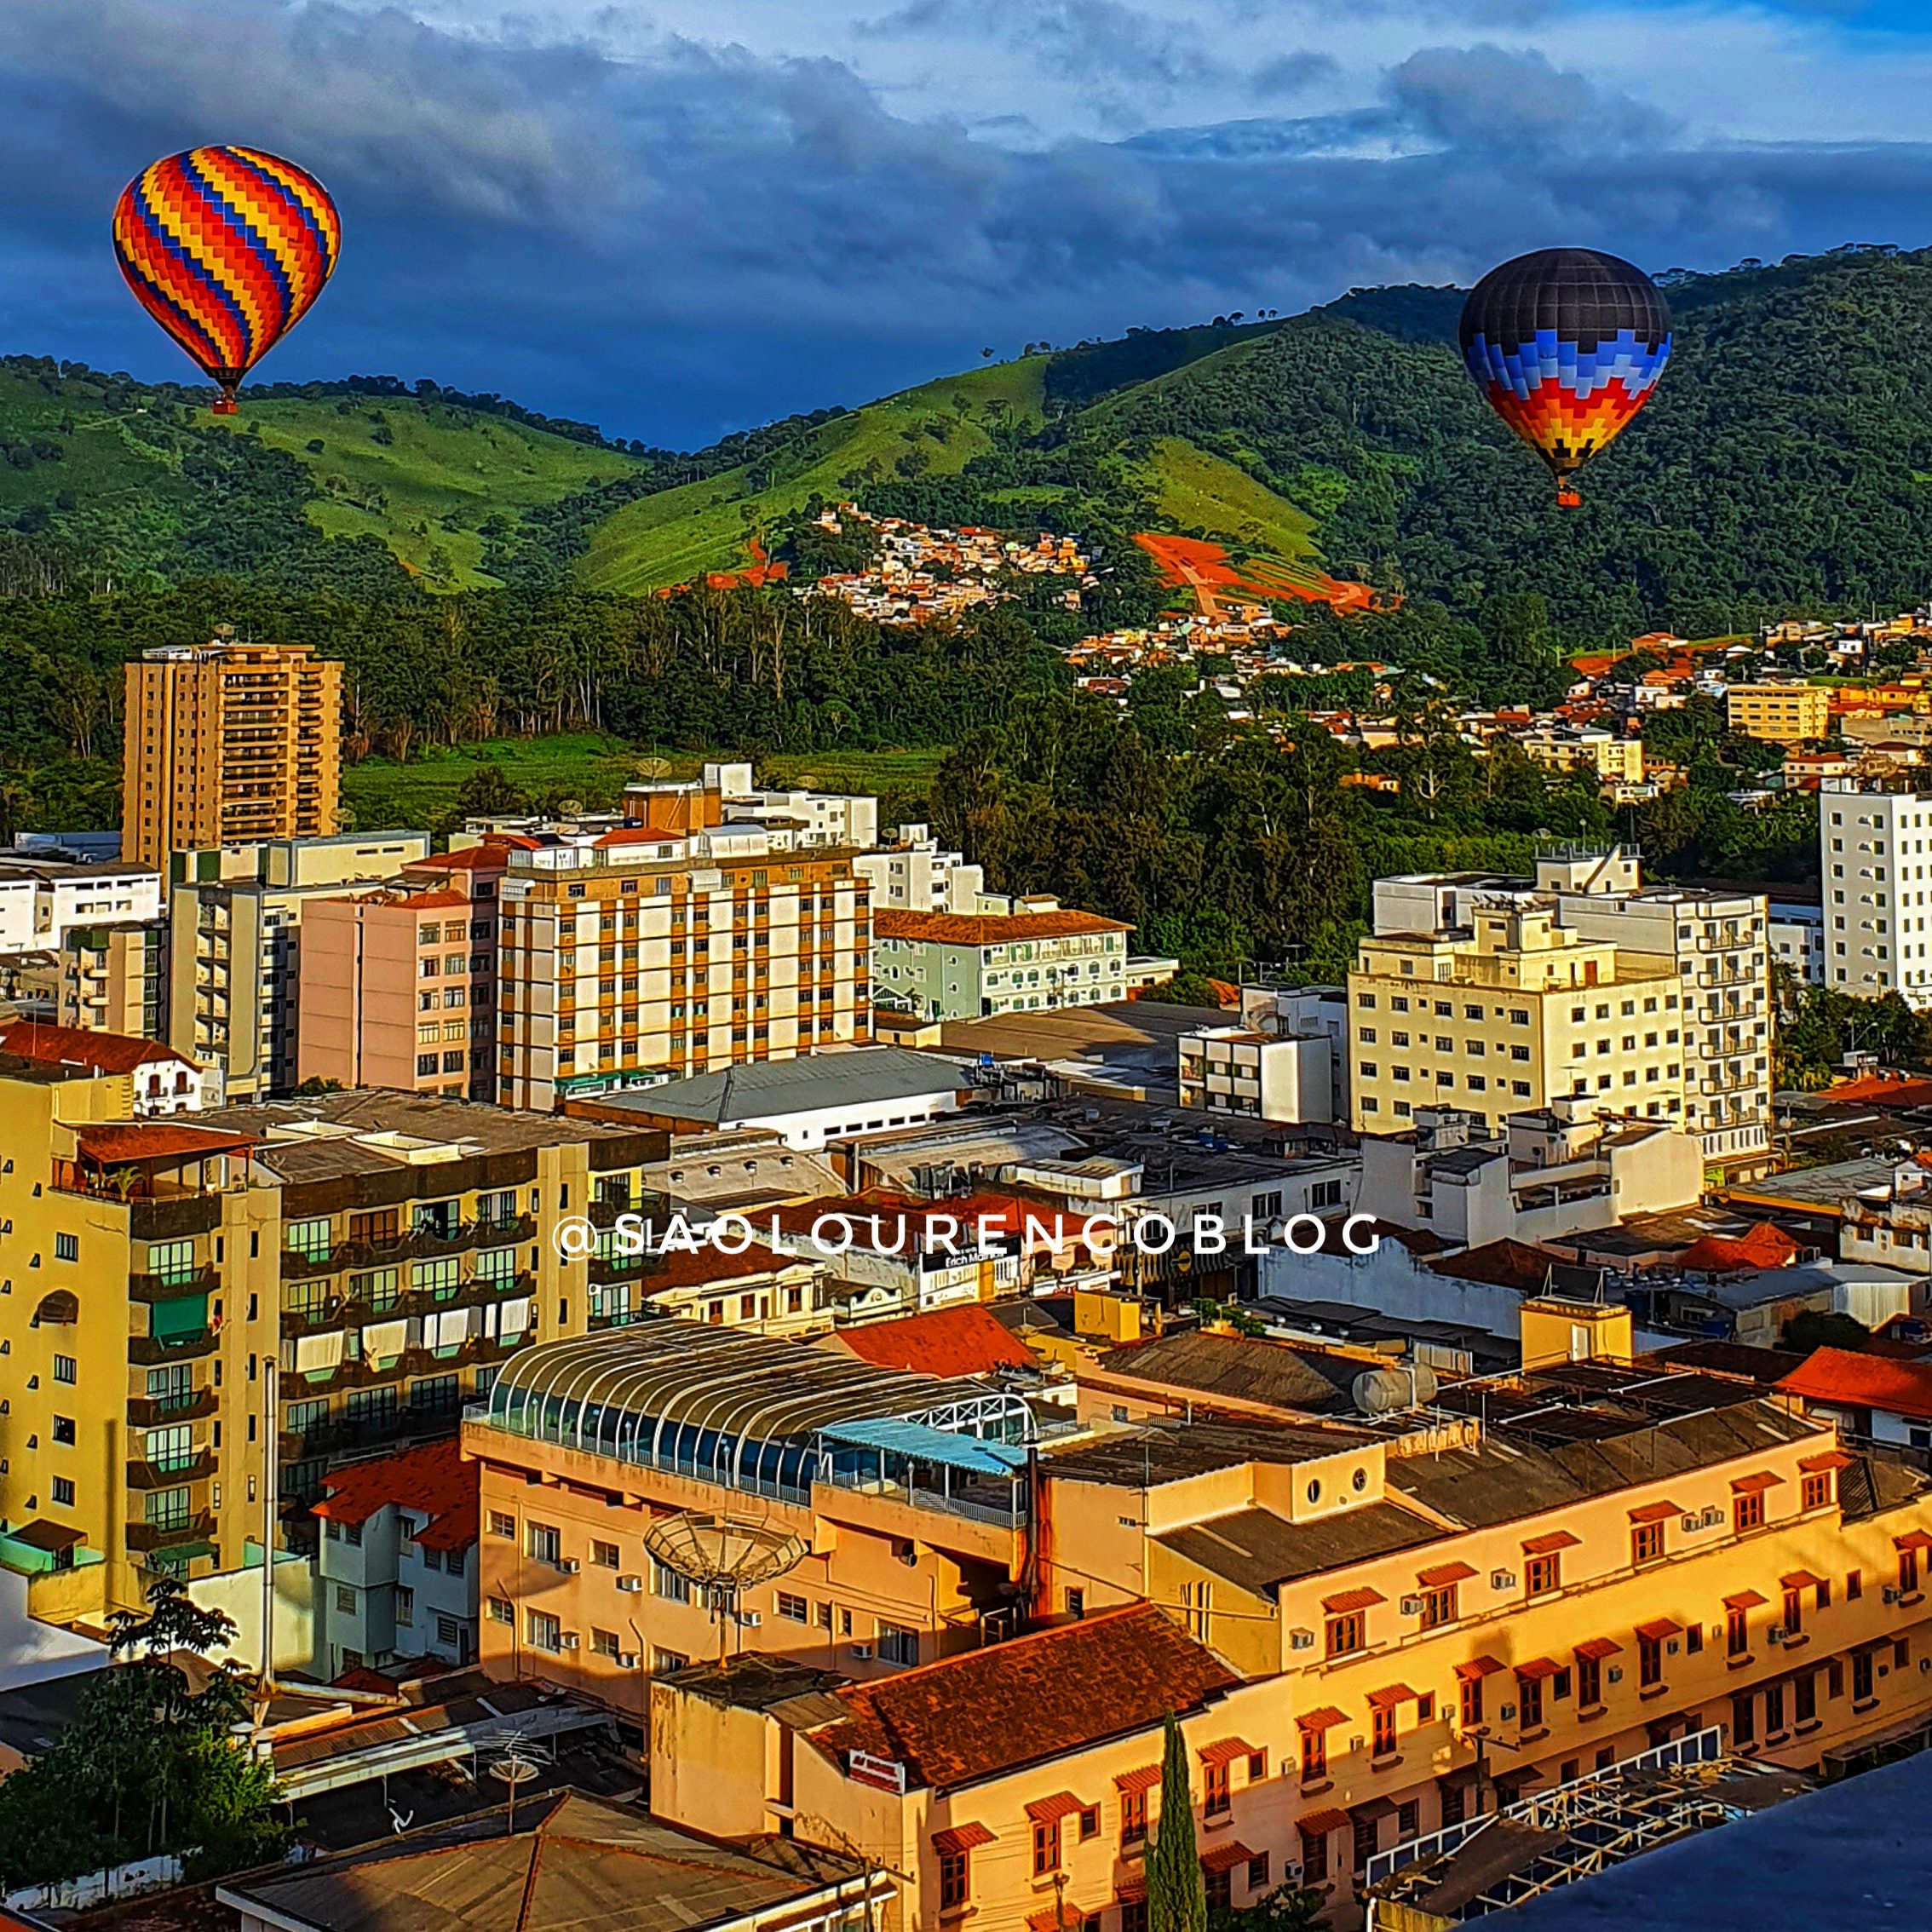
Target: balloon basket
(224, 406)
(1569, 499)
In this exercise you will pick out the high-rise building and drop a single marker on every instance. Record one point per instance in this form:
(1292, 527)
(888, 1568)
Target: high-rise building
(397, 987)
(914, 874)
(235, 918)
(634, 954)
(386, 1252)
(228, 743)
(1780, 714)
(1875, 856)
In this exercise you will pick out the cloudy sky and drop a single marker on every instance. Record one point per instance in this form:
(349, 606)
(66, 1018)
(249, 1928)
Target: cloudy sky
(682, 217)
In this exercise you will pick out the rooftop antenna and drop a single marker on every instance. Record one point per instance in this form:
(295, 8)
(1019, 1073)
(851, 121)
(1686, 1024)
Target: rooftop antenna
(724, 1556)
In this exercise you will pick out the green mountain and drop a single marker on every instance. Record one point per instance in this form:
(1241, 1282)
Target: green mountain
(1785, 463)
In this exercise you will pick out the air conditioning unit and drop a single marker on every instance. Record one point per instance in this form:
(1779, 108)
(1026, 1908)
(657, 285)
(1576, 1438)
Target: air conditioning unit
(1672, 1647)
(748, 1619)
(1615, 1673)
(1776, 1634)
(1507, 1712)
(570, 1566)
(1713, 1515)
(571, 1640)
(627, 1660)
(1893, 1593)
(1411, 1607)
(630, 1585)
(1502, 1579)
(1301, 1640)
(863, 1652)
(1692, 1522)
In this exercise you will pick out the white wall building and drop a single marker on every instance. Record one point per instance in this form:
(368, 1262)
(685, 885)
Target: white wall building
(41, 900)
(1875, 861)
(914, 875)
(1259, 1076)
(1797, 940)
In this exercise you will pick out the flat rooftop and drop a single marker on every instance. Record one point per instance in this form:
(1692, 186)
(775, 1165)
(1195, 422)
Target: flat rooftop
(1148, 1457)
(764, 1089)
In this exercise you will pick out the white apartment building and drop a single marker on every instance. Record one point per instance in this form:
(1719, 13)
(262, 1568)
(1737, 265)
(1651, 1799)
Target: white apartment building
(1797, 940)
(814, 821)
(914, 875)
(1875, 846)
(234, 919)
(1258, 1076)
(41, 900)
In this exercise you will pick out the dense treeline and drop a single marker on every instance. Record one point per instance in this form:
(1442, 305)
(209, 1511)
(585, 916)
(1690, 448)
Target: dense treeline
(745, 670)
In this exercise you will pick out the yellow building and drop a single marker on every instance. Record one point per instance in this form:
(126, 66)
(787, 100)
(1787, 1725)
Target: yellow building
(382, 1254)
(1514, 1013)
(1371, 1632)
(227, 744)
(1780, 714)
(636, 953)
(1571, 748)
(97, 979)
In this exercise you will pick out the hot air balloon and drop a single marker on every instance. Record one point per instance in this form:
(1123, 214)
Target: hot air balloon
(226, 248)
(1567, 345)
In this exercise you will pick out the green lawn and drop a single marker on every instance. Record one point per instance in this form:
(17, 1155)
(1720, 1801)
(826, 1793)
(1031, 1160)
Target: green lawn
(379, 794)
(1200, 491)
(680, 534)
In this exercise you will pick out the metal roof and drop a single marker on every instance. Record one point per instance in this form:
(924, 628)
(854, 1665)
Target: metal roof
(926, 1445)
(766, 1089)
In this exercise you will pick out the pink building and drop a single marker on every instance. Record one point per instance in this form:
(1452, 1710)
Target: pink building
(399, 986)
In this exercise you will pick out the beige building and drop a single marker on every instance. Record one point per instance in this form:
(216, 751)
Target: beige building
(98, 979)
(1780, 714)
(227, 744)
(310, 1277)
(1512, 1014)
(234, 916)
(1571, 748)
(633, 955)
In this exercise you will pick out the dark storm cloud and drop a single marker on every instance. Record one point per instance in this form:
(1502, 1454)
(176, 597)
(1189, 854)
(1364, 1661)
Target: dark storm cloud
(680, 241)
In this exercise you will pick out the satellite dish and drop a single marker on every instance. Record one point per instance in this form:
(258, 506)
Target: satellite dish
(724, 1556)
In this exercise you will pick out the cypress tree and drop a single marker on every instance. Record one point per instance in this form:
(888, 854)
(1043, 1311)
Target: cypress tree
(1176, 1891)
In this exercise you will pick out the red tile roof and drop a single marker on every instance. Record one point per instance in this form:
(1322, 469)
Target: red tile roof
(944, 1341)
(76, 1046)
(433, 1481)
(118, 1142)
(991, 1711)
(1849, 1380)
(1764, 1245)
(1887, 1090)
(1501, 1264)
(710, 1267)
(989, 928)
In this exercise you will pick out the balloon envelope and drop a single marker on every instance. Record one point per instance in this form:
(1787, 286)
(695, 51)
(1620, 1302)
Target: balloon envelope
(226, 248)
(1567, 345)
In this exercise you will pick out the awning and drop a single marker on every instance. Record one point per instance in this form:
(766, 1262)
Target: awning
(1225, 1858)
(1371, 1811)
(1832, 1459)
(1912, 1539)
(1051, 1810)
(1444, 1575)
(1061, 1917)
(1460, 1779)
(1655, 1513)
(1319, 1824)
(1390, 1696)
(1549, 1543)
(1757, 1484)
(1144, 1779)
(1598, 1648)
(924, 1445)
(1659, 1628)
(1325, 1719)
(1352, 1600)
(1535, 1669)
(1801, 1579)
(962, 1838)
(1227, 1751)
(1131, 1891)
(1481, 1667)
(1745, 1600)
(40, 1534)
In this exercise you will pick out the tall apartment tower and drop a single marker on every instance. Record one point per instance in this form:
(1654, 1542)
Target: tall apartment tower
(1875, 864)
(229, 744)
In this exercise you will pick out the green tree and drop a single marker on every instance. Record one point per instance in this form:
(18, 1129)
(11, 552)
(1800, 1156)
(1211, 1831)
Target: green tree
(1819, 1328)
(1186, 988)
(1176, 1890)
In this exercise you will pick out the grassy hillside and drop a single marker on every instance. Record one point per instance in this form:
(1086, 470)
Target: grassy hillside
(422, 477)
(1196, 491)
(934, 430)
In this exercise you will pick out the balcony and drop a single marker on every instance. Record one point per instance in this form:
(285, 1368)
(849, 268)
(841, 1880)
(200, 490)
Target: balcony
(172, 1474)
(147, 1351)
(417, 1245)
(172, 1287)
(143, 1538)
(151, 1411)
(377, 1432)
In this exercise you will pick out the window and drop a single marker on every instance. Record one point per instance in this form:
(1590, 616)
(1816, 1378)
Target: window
(66, 1247)
(1314, 1754)
(1794, 1610)
(1647, 1543)
(501, 1610)
(793, 1609)
(1744, 1719)
(1747, 1510)
(1590, 1682)
(955, 1879)
(1542, 1574)
(310, 1238)
(604, 1643)
(544, 1544)
(1133, 1817)
(668, 1583)
(1855, 1585)
(1817, 1491)
(1737, 1634)
(503, 1524)
(1345, 1634)
(1861, 1687)
(543, 1631)
(1217, 1798)
(1076, 1603)
(604, 1555)
(1381, 1728)
(1471, 1702)
(897, 1645)
(1314, 1858)
(64, 1428)
(668, 1662)
(63, 1491)
(1650, 1661)
(1908, 1572)
(406, 1606)
(65, 1369)
(1089, 1822)
(1046, 1846)
(1408, 1822)
(1529, 1701)
(1804, 1697)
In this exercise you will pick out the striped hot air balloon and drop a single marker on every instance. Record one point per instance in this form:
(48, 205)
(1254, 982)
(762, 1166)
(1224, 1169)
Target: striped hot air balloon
(1567, 345)
(226, 248)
